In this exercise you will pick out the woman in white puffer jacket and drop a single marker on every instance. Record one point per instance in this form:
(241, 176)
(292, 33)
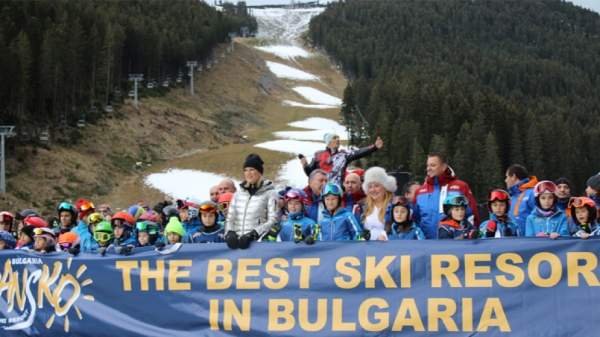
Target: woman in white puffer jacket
(253, 209)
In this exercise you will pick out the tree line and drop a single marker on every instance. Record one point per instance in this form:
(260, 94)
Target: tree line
(489, 83)
(58, 59)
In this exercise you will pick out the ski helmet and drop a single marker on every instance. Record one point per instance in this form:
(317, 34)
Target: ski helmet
(68, 240)
(455, 200)
(35, 221)
(47, 234)
(125, 218)
(579, 202)
(208, 207)
(66, 207)
(103, 232)
(498, 195)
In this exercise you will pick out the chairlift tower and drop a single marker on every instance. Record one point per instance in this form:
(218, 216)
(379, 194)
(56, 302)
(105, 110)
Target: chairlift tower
(5, 131)
(136, 78)
(192, 65)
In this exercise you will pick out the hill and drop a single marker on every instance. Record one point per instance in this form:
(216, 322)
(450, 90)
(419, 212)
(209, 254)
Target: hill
(488, 82)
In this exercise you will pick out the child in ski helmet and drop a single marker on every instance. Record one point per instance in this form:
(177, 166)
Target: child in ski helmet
(546, 220)
(103, 234)
(84, 229)
(174, 232)
(455, 225)
(499, 224)
(211, 230)
(26, 238)
(147, 233)
(583, 212)
(67, 215)
(7, 240)
(297, 227)
(6, 222)
(44, 240)
(401, 227)
(189, 216)
(69, 242)
(338, 223)
(122, 223)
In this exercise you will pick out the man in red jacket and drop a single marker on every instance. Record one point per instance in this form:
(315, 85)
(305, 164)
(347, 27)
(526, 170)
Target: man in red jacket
(429, 199)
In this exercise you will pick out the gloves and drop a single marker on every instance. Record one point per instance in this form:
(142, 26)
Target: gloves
(298, 236)
(74, 250)
(273, 233)
(245, 239)
(126, 250)
(366, 235)
(231, 238)
(159, 245)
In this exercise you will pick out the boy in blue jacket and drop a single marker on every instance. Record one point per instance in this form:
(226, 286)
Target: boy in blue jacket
(401, 227)
(339, 224)
(499, 224)
(297, 227)
(211, 229)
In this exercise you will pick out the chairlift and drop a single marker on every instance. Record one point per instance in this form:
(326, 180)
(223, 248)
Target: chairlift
(44, 136)
(131, 93)
(81, 123)
(108, 108)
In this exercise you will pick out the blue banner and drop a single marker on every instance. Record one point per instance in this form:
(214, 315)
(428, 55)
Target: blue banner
(516, 287)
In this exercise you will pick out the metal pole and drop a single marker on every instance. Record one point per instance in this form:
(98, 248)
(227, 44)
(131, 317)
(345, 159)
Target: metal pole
(135, 93)
(2, 176)
(192, 64)
(5, 131)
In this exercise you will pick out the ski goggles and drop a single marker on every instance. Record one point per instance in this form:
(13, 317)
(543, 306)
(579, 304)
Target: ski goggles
(102, 236)
(294, 194)
(208, 208)
(86, 206)
(95, 218)
(65, 206)
(332, 189)
(545, 186)
(499, 195)
(42, 231)
(458, 200)
(147, 227)
(65, 245)
(579, 202)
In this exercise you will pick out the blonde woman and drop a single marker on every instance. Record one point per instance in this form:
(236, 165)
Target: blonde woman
(380, 188)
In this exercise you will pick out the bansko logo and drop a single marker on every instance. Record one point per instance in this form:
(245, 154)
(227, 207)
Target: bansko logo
(26, 289)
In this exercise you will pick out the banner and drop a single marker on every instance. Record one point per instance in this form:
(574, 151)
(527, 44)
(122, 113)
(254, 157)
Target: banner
(503, 287)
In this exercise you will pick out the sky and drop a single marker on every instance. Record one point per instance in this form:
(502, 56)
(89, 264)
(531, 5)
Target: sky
(590, 4)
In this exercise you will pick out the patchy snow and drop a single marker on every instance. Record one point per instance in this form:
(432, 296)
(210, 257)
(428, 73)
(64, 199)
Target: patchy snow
(308, 135)
(184, 184)
(317, 96)
(285, 52)
(308, 106)
(282, 24)
(292, 146)
(291, 174)
(282, 71)
(319, 123)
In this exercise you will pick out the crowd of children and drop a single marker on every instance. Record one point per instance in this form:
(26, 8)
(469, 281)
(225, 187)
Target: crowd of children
(81, 226)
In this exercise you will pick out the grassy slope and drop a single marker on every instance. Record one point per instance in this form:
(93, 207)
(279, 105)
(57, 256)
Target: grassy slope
(239, 96)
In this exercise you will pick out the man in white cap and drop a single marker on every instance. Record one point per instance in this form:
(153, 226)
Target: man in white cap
(333, 160)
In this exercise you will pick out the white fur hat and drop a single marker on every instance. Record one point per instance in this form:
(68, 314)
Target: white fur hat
(378, 175)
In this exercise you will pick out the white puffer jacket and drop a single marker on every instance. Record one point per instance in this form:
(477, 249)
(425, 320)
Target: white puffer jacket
(252, 212)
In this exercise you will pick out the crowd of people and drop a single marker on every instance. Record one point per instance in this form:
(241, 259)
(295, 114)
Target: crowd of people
(337, 204)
